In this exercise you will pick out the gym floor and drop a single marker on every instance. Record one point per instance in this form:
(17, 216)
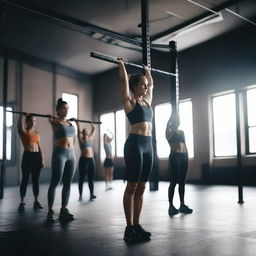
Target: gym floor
(218, 225)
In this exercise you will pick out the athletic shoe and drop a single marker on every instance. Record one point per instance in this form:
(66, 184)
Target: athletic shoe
(50, 216)
(65, 215)
(21, 207)
(141, 231)
(173, 211)
(131, 236)
(185, 209)
(92, 197)
(37, 206)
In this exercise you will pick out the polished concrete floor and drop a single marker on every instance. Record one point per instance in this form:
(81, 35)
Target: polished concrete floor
(218, 225)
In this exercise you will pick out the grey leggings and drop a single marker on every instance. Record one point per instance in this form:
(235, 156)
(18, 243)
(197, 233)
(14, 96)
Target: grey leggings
(63, 167)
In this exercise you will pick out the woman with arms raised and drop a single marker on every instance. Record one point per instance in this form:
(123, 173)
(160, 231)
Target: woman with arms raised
(86, 161)
(137, 92)
(63, 160)
(178, 163)
(32, 160)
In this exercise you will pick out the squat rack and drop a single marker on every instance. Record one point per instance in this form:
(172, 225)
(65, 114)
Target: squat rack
(87, 28)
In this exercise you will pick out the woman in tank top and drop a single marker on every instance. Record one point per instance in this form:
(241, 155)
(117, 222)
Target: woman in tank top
(137, 92)
(86, 161)
(63, 160)
(178, 163)
(108, 162)
(32, 160)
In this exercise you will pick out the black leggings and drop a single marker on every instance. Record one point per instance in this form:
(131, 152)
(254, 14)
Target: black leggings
(31, 163)
(138, 155)
(178, 163)
(86, 167)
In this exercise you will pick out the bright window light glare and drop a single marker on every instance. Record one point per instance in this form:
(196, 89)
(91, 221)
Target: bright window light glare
(162, 115)
(108, 124)
(224, 124)
(186, 124)
(9, 124)
(120, 132)
(251, 109)
(72, 101)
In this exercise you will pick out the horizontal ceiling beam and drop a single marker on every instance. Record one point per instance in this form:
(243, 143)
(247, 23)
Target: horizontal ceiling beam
(70, 22)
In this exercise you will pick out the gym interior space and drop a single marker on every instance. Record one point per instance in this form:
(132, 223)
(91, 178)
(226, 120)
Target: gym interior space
(94, 162)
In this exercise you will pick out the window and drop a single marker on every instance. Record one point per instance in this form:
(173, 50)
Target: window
(251, 120)
(162, 146)
(186, 124)
(72, 101)
(120, 132)
(9, 126)
(224, 125)
(107, 126)
(113, 123)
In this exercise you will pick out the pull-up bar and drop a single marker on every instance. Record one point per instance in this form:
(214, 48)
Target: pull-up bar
(116, 61)
(48, 116)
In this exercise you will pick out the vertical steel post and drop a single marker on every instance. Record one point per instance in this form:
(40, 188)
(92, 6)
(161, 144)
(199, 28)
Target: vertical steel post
(174, 81)
(147, 61)
(5, 88)
(239, 155)
(146, 57)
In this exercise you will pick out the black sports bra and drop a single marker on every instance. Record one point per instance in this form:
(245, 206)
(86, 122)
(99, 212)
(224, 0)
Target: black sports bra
(140, 114)
(177, 137)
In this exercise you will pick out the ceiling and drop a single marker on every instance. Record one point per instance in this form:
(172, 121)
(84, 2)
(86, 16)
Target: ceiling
(49, 39)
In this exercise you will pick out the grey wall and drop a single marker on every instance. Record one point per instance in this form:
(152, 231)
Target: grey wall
(32, 89)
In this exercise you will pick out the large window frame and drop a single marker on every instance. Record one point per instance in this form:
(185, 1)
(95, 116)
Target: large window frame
(163, 144)
(116, 145)
(213, 125)
(247, 125)
(66, 96)
(13, 136)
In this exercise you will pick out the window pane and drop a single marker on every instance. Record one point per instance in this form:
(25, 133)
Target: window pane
(72, 101)
(252, 140)
(251, 109)
(186, 124)
(162, 146)
(9, 124)
(9, 118)
(224, 123)
(108, 124)
(1, 132)
(120, 132)
(8, 144)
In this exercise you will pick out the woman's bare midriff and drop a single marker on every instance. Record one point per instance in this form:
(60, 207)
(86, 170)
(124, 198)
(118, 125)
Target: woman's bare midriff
(33, 147)
(87, 152)
(66, 142)
(178, 147)
(143, 129)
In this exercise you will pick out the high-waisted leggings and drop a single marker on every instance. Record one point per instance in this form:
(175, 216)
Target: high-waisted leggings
(86, 167)
(63, 168)
(31, 163)
(138, 155)
(178, 163)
